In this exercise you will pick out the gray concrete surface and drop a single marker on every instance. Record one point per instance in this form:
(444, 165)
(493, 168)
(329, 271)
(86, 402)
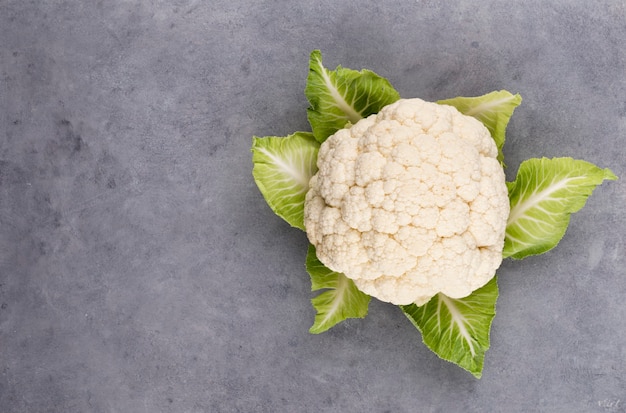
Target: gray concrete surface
(141, 271)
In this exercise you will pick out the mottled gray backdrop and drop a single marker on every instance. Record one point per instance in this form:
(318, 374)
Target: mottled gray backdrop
(141, 271)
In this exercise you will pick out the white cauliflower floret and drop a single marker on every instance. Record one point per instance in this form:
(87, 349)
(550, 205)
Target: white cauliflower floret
(409, 203)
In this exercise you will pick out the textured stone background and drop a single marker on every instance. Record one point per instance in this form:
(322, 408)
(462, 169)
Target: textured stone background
(141, 271)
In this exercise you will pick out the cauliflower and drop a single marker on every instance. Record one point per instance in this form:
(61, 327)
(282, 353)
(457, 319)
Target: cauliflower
(410, 202)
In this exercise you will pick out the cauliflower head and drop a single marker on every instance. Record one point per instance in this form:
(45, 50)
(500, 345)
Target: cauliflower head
(410, 202)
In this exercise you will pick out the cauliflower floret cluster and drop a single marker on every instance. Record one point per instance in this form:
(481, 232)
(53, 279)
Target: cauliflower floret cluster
(410, 202)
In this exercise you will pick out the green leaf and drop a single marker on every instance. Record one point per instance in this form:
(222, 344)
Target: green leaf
(457, 330)
(543, 196)
(341, 299)
(343, 96)
(493, 109)
(282, 170)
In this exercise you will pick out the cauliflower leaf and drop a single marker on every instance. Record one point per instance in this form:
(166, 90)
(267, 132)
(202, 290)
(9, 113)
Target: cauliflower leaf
(543, 196)
(341, 299)
(343, 96)
(493, 109)
(457, 330)
(282, 169)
